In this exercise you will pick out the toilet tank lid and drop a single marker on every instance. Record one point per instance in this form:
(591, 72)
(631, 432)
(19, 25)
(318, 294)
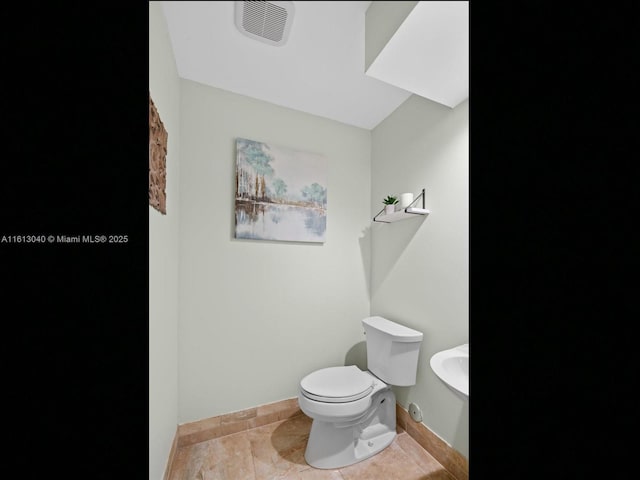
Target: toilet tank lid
(397, 332)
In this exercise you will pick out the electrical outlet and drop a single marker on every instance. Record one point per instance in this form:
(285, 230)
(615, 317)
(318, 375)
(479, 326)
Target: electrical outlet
(415, 412)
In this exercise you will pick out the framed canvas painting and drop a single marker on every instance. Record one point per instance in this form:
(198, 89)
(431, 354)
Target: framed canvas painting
(281, 193)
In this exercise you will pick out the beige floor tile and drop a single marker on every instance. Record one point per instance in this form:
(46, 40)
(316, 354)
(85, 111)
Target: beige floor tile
(278, 448)
(392, 463)
(314, 474)
(424, 460)
(276, 452)
(224, 458)
(180, 463)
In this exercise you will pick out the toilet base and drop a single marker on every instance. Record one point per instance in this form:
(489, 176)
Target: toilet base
(334, 445)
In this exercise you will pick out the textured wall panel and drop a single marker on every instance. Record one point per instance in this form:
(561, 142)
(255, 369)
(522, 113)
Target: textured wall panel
(157, 160)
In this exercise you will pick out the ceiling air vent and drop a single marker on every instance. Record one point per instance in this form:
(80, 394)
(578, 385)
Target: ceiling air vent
(268, 22)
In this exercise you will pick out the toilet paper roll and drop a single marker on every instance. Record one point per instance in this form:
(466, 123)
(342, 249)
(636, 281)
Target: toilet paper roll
(405, 200)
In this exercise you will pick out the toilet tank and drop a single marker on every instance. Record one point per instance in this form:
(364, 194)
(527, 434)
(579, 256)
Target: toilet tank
(392, 351)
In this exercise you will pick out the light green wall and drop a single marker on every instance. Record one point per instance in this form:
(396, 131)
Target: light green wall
(256, 316)
(163, 255)
(420, 266)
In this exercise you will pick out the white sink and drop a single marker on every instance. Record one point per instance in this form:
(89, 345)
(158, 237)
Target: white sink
(452, 367)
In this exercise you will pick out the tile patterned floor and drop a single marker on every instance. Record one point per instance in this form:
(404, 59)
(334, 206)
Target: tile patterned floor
(276, 451)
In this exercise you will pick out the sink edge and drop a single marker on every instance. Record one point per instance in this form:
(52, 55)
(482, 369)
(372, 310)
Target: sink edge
(458, 384)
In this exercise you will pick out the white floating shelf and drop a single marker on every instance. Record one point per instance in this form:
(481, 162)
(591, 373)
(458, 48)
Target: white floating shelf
(410, 212)
(404, 214)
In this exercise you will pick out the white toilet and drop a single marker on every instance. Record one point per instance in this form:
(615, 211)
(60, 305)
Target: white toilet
(354, 411)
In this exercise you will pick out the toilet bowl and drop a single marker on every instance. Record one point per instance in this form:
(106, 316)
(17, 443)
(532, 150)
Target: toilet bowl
(354, 410)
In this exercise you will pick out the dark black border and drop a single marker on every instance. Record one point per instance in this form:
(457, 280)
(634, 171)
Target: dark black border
(76, 315)
(553, 245)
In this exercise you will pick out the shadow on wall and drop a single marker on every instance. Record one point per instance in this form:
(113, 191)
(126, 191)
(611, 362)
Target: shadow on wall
(365, 253)
(357, 355)
(402, 395)
(393, 239)
(462, 432)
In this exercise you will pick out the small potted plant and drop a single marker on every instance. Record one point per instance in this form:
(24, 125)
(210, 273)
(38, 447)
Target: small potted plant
(390, 204)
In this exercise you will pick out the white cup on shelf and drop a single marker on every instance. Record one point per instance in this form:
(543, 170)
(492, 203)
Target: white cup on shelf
(404, 201)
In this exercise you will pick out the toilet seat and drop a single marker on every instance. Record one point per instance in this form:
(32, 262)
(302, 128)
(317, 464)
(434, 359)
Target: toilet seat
(337, 384)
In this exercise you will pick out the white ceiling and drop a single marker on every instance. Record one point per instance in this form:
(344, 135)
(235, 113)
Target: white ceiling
(320, 68)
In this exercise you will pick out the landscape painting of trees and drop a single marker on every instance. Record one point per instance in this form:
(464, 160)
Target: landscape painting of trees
(281, 193)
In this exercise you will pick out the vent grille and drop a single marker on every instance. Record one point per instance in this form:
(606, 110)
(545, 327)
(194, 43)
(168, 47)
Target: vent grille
(268, 22)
